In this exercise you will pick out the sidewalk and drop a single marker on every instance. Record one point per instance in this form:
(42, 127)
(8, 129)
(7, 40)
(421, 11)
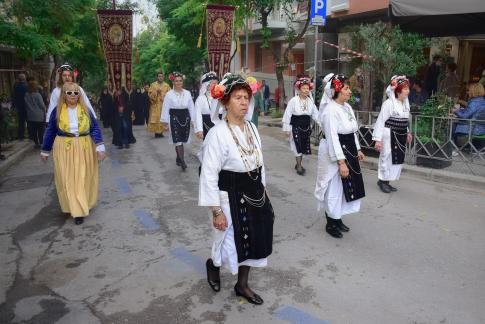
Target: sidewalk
(436, 175)
(13, 153)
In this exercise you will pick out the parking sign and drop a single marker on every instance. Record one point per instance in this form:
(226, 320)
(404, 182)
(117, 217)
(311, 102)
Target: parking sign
(318, 12)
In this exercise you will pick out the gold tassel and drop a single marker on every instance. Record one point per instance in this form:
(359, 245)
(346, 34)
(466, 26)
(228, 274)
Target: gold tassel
(199, 42)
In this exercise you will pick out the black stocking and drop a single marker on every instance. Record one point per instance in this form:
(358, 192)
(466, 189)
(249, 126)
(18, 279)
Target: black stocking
(298, 163)
(242, 281)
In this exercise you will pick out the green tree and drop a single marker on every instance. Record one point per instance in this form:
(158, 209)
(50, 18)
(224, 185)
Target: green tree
(392, 51)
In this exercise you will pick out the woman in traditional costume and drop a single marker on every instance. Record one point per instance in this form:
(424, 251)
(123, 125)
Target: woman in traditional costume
(391, 133)
(232, 185)
(178, 112)
(339, 186)
(65, 74)
(297, 121)
(205, 106)
(75, 138)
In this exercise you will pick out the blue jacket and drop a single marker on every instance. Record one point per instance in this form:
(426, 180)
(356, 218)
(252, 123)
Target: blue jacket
(475, 110)
(52, 131)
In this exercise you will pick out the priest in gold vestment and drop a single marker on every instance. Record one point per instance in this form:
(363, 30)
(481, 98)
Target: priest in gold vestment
(157, 92)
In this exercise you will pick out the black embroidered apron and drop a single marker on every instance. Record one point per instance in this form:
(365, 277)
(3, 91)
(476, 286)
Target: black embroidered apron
(353, 185)
(399, 132)
(301, 130)
(206, 123)
(251, 212)
(180, 125)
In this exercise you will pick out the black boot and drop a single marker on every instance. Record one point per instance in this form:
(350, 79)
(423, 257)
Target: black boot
(332, 227)
(393, 189)
(78, 220)
(341, 226)
(384, 186)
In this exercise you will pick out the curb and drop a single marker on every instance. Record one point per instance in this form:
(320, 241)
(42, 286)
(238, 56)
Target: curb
(435, 175)
(15, 157)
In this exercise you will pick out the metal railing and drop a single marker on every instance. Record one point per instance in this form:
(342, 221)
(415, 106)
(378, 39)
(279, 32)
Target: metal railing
(438, 142)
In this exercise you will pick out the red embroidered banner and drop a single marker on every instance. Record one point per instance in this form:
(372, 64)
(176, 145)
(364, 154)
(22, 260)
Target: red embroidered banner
(220, 23)
(116, 35)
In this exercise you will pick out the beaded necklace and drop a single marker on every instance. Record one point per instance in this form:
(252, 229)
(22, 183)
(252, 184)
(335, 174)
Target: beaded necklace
(246, 152)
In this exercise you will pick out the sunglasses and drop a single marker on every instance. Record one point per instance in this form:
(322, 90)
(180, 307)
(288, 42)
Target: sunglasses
(72, 93)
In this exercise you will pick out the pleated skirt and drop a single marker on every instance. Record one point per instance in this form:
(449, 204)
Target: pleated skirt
(76, 174)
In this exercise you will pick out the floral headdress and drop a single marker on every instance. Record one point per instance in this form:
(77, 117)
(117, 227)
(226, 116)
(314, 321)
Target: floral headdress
(303, 81)
(174, 75)
(223, 88)
(254, 84)
(337, 82)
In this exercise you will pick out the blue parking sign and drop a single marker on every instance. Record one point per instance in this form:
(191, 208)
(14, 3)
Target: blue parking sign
(318, 12)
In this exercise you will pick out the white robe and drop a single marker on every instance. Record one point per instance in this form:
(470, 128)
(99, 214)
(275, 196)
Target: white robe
(54, 100)
(336, 119)
(221, 153)
(175, 100)
(294, 108)
(204, 105)
(390, 108)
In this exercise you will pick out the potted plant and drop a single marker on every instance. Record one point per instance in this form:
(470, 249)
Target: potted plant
(432, 129)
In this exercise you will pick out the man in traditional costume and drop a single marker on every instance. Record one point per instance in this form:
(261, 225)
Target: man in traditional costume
(157, 92)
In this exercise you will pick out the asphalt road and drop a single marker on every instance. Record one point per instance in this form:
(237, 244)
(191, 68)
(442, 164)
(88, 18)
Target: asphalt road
(414, 256)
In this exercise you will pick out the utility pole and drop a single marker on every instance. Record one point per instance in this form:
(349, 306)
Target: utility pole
(315, 64)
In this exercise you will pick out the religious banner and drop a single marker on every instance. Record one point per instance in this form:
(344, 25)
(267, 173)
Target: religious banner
(220, 23)
(116, 35)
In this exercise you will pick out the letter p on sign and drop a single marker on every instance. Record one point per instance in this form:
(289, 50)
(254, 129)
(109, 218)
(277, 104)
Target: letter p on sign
(319, 4)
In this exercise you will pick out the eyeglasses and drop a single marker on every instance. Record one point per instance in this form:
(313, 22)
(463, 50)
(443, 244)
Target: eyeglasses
(72, 93)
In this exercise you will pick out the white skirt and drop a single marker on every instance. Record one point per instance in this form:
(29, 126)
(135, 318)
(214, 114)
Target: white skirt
(224, 251)
(386, 170)
(329, 189)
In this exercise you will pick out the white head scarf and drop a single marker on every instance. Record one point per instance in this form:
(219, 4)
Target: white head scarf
(204, 86)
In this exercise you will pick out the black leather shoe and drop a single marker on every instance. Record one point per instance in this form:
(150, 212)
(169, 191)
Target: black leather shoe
(393, 189)
(332, 227)
(177, 161)
(383, 186)
(183, 165)
(341, 226)
(78, 220)
(256, 299)
(214, 284)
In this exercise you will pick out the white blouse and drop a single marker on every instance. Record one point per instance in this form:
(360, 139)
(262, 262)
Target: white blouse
(338, 119)
(204, 105)
(299, 108)
(176, 100)
(221, 153)
(56, 93)
(390, 108)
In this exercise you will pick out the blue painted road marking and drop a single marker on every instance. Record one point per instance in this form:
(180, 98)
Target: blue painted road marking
(296, 316)
(123, 186)
(146, 219)
(189, 258)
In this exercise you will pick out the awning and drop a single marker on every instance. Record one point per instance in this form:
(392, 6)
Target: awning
(439, 17)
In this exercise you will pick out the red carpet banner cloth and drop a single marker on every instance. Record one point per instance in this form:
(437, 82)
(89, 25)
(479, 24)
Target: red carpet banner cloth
(116, 35)
(220, 22)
